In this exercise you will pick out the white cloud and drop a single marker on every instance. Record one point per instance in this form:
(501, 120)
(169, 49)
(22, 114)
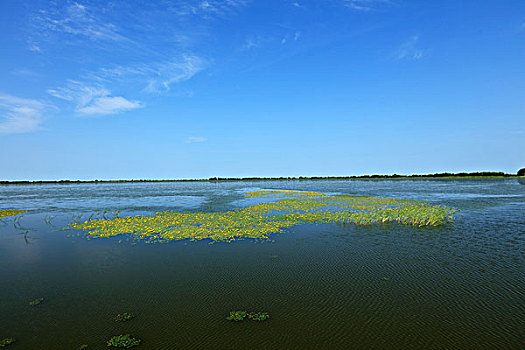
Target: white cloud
(19, 115)
(364, 5)
(108, 105)
(93, 100)
(409, 50)
(297, 35)
(195, 139)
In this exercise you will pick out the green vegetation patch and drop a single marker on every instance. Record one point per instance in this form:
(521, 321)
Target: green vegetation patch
(11, 212)
(123, 317)
(7, 341)
(123, 341)
(36, 301)
(260, 220)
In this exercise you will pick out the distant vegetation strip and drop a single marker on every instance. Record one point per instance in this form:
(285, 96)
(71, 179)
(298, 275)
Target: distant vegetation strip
(394, 176)
(283, 210)
(11, 212)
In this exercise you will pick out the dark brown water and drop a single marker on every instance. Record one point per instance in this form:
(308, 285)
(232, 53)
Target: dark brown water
(330, 287)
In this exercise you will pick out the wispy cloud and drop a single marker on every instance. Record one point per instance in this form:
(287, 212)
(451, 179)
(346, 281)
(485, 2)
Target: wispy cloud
(518, 132)
(77, 19)
(163, 75)
(409, 50)
(195, 139)
(364, 5)
(93, 100)
(20, 115)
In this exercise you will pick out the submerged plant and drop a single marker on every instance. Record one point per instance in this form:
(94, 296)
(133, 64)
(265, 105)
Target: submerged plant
(7, 341)
(260, 220)
(82, 347)
(123, 341)
(36, 301)
(123, 317)
(237, 316)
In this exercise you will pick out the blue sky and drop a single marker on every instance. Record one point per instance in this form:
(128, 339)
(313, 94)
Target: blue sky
(233, 88)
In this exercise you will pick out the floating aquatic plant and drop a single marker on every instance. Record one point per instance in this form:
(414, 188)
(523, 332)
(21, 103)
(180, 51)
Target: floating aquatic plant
(7, 341)
(260, 220)
(124, 317)
(36, 301)
(237, 316)
(258, 316)
(11, 212)
(241, 315)
(123, 341)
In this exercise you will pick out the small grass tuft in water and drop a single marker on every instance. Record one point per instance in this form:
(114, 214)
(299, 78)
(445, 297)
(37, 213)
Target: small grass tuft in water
(7, 341)
(123, 341)
(36, 301)
(260, 220)
(124, 317)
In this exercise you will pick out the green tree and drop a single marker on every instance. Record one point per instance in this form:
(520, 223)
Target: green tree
(521, 172)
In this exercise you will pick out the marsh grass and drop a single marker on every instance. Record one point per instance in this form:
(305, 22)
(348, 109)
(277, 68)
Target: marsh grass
(258, 221)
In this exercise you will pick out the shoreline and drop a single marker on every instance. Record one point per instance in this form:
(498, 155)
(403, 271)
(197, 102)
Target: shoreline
(474, 175)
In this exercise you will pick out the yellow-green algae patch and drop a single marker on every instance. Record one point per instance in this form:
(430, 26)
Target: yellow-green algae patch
(11, 212)
(260, 220)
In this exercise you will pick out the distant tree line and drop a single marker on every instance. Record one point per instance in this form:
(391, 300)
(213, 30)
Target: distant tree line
(521, 172)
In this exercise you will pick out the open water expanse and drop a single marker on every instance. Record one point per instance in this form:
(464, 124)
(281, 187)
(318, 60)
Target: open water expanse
(325, 286)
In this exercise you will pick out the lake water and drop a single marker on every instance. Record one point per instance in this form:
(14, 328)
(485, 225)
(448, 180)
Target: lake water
(459, 286)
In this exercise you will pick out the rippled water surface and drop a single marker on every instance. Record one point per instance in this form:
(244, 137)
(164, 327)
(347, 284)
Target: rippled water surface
(459, 286)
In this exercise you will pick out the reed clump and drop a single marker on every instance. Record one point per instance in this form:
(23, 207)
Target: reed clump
(288, 208)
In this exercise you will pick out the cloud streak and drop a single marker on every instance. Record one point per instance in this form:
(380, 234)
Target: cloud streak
(19, 115)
